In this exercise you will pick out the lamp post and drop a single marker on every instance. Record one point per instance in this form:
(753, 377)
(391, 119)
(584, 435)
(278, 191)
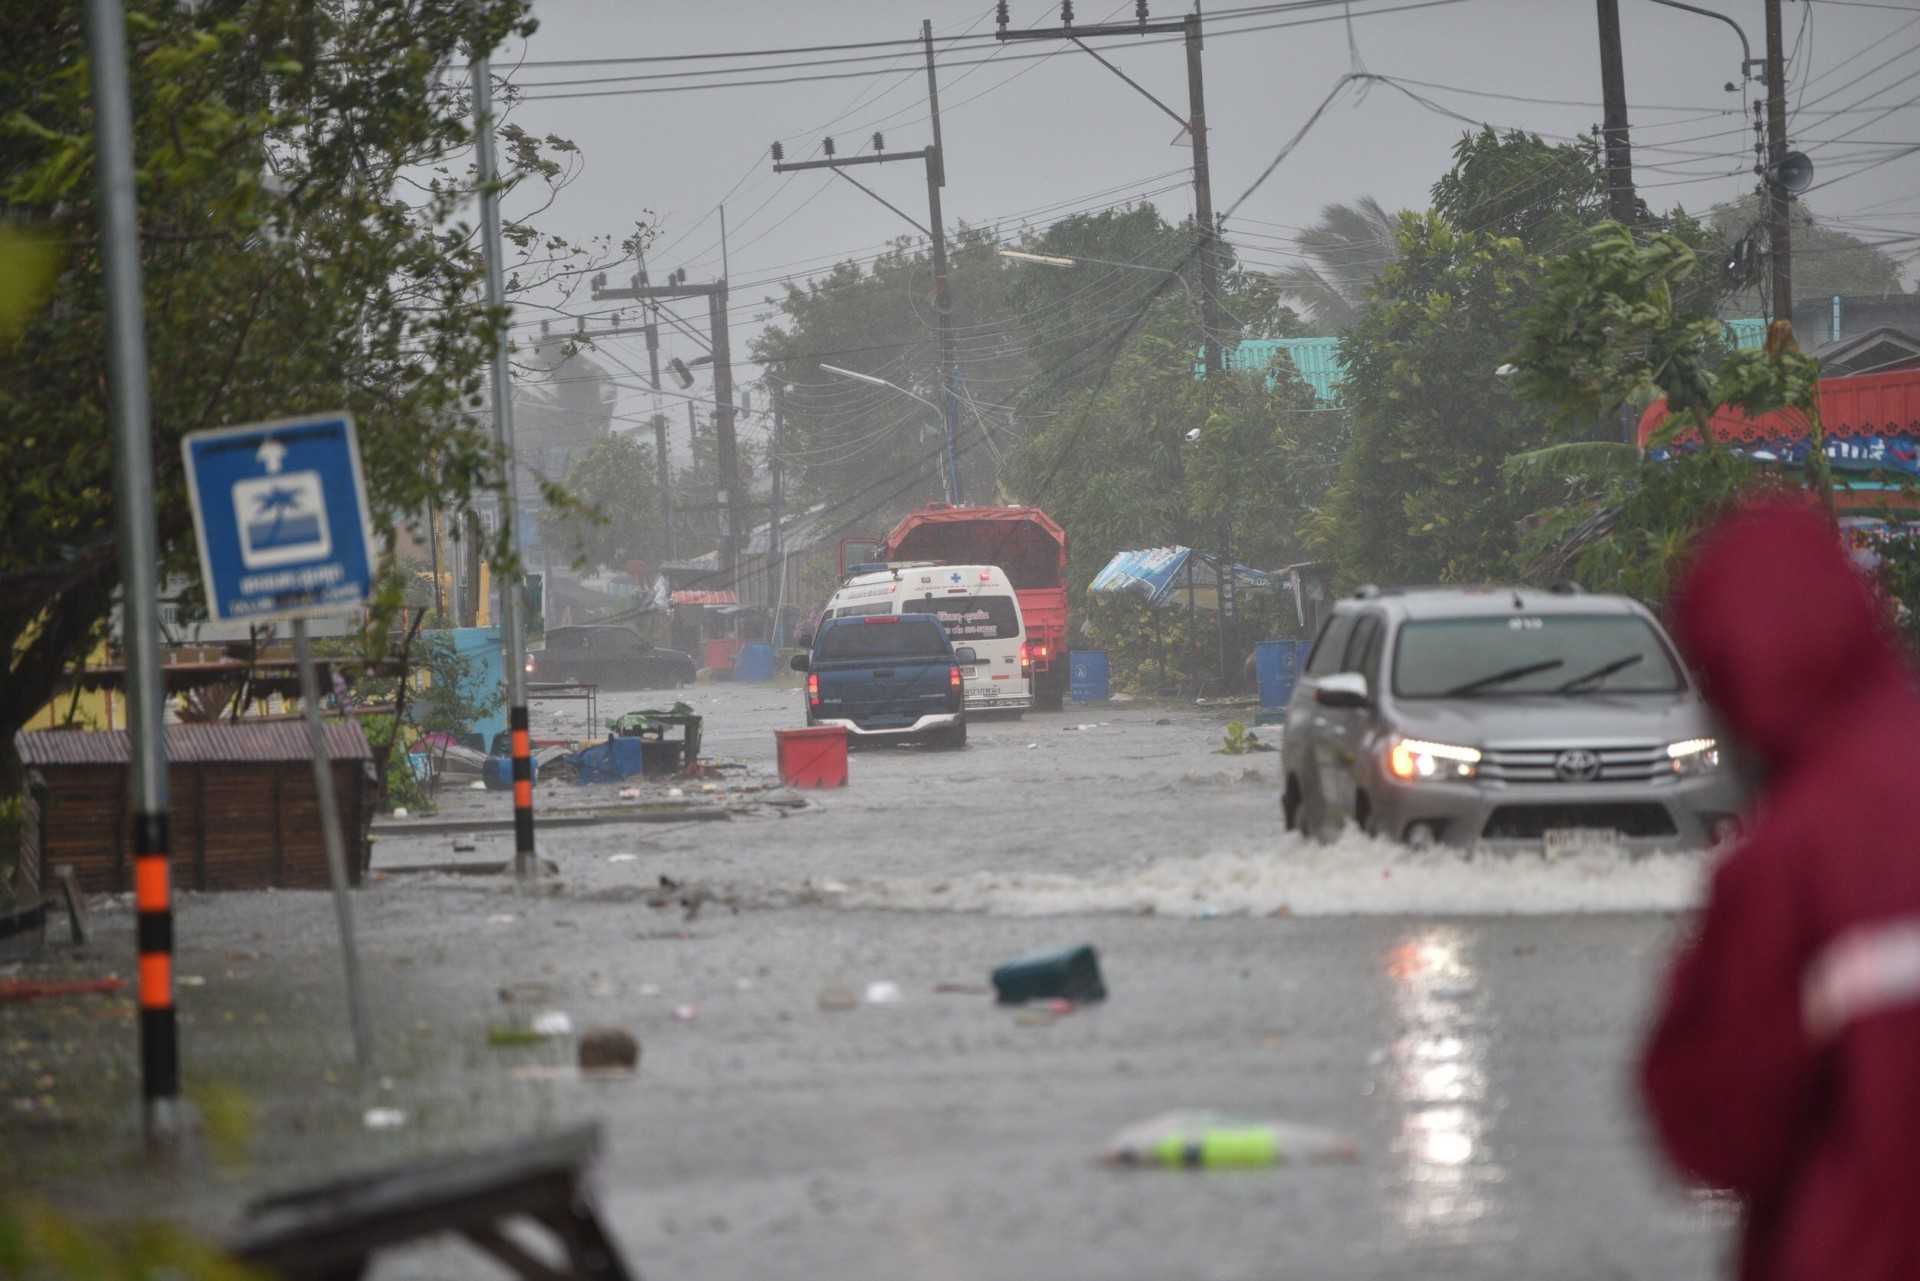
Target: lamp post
(952, 467)
(1061, 260)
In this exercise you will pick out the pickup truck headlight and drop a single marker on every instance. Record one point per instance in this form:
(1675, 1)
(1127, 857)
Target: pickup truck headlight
(1693, 756)
(1416, 760)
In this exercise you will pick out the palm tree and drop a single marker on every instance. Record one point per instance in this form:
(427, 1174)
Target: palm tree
(1347, 250)
(278, 501)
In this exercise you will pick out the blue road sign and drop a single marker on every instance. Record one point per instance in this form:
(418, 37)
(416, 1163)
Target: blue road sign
(280, 513)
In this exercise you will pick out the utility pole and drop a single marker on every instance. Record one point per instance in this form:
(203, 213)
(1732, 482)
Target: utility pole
(942, 297)
(1194, 123)
(524, 865)
(1622, 203)
(1779, 200)
(934, 158)
(1203, 200)
(776, 496)
(775, 469)
(727, 455)
(136, 541)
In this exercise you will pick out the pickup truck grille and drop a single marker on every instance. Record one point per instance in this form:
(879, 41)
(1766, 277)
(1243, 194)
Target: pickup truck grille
(1530, 822)
(1542, 765)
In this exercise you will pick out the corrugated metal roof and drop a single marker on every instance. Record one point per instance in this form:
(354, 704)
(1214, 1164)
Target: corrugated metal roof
(1317, 360)
(213, 744)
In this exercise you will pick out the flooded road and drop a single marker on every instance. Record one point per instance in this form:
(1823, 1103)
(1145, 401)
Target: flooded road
(1469, 1024)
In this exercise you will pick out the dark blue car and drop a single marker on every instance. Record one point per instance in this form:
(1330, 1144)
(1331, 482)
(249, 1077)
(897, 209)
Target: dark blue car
(887, 676)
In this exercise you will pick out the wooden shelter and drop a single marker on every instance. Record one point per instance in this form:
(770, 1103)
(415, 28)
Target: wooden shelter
(242, 814)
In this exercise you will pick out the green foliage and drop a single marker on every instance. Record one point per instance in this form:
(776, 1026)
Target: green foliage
(1898, 575)
(1241, 741)
(29, 265)
(1515, 185)
(1344, 254)
(301, 176)
(617, 520)
(1826, 261)
(38, 1244)
(1610, 327)
(1419, 497)
(1605, 330)
(456, 696)
(403, 791)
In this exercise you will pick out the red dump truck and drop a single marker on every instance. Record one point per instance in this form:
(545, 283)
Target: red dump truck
(1029, 546)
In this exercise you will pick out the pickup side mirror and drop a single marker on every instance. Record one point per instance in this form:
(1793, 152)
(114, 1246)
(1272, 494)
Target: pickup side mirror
(1343, 689)
(965, 655)
(798, 662)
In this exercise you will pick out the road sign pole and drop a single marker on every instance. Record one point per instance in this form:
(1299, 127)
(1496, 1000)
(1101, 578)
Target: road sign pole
(135, 539)
(330, 833)
(524, 865)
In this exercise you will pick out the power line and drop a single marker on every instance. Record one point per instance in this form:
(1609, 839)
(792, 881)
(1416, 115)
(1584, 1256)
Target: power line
(1212, 33)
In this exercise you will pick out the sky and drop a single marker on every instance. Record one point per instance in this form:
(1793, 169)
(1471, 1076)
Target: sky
(1034, 139)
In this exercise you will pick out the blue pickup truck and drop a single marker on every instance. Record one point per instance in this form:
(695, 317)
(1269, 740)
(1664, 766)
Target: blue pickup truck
(887, 676)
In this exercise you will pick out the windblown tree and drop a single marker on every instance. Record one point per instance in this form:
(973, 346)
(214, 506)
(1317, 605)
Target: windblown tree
(1347, 250)
(302, 183)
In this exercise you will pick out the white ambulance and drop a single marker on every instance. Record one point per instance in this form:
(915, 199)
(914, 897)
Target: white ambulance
(977, 608)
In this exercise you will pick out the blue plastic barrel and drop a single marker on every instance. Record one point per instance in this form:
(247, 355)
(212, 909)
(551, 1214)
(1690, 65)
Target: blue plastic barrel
(1278, 664)
(1087, 675)
(754, 662)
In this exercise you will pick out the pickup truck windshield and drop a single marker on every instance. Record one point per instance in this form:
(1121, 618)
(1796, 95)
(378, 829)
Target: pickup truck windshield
(914, 636)
(1531, 654)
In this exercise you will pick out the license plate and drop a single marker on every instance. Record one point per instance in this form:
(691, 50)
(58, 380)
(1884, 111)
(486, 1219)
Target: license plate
(966, 673)
(1564, 840)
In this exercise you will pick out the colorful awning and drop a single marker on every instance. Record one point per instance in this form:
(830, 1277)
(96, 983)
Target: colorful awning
(1862, 406)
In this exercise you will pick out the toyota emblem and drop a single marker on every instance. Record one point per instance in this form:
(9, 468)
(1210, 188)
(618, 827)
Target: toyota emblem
(1577, 766)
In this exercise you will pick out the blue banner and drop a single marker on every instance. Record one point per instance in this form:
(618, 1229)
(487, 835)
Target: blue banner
(1150, 572)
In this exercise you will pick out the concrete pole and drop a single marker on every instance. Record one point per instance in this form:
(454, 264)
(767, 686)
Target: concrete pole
(512, 622)
(136, 542)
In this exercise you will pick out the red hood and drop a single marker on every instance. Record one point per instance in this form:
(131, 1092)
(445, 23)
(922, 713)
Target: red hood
(1781, 628)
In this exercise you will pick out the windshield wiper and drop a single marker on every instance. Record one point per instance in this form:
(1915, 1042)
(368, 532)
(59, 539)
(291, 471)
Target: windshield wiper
(1599, 673)
(1501, 678)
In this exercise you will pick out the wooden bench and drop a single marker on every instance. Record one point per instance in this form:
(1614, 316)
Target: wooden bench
(331, 1232)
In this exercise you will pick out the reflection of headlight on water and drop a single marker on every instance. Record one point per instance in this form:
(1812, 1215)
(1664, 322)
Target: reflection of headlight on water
(1444, 1137)
(1439, 1081)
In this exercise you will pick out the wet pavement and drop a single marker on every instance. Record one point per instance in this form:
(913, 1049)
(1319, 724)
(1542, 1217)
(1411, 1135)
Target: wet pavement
(1469, 1023)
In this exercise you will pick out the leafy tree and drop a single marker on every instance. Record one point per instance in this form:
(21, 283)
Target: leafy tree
(1419, 497)
(1826, 260)
(1347, 250)
(1514, 184)
(618, 515)
(1608, 329)
(300, 181)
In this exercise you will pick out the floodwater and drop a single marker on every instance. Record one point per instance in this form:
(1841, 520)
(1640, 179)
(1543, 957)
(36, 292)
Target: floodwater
(1469, 1023)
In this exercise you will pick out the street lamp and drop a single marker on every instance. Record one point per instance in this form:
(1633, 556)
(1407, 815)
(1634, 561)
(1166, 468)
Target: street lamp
(1747, 61)
(1057, 260)
(952, 468)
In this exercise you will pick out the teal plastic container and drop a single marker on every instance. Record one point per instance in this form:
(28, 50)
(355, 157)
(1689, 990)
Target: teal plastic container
(1072, 975)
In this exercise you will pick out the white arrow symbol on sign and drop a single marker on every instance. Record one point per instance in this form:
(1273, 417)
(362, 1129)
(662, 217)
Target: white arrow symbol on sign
(271, 455)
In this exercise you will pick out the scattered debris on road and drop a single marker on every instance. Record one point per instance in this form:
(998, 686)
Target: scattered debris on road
(608, 1049)
(1208, 1141)
(1073, 975)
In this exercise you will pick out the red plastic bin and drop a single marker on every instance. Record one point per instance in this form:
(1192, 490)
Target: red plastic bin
(814, 757)
(721, 651)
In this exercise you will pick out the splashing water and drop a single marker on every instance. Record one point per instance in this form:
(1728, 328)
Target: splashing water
(1352, 876)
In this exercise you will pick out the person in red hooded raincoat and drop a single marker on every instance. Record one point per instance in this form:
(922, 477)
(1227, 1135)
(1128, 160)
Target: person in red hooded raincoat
(1784, 1065)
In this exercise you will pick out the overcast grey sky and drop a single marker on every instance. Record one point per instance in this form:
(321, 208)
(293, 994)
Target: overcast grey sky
(1040, 138)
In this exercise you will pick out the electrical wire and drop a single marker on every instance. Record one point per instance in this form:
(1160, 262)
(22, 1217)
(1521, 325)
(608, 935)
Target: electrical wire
(856, 75)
